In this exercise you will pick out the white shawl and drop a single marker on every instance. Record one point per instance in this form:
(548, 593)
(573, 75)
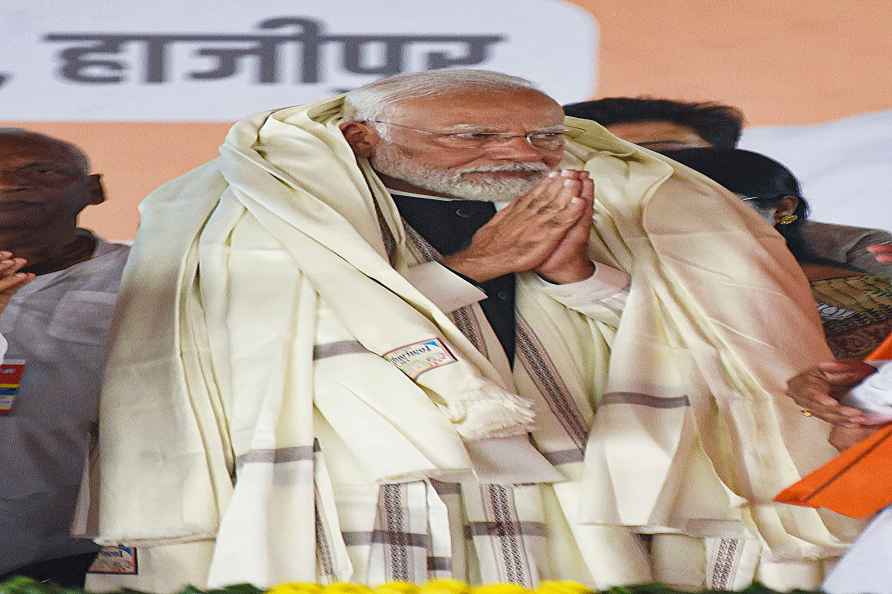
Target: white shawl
(245, 265)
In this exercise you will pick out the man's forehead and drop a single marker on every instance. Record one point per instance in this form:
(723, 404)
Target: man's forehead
(478, 107)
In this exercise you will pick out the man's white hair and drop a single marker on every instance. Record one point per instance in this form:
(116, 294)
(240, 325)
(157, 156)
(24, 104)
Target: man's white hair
(374, 100)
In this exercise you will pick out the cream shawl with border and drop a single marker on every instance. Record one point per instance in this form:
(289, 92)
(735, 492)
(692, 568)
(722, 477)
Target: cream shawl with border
(211, 365)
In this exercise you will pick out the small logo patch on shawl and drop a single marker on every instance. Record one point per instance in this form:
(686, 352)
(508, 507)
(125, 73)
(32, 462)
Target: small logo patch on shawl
(416, 358)
(117, 560)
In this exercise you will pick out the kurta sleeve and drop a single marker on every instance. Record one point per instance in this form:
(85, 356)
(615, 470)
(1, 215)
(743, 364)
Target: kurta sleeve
(606, 287)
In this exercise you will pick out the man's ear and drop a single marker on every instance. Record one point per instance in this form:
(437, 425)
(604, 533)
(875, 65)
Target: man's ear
(362, 137)
(95, 191)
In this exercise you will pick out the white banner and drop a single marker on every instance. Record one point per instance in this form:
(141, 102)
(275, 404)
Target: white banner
(845, 167)
(218, 60)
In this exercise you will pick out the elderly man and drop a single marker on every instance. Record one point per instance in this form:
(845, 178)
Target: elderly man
(367, 343)
(55, 325)
(665, 125)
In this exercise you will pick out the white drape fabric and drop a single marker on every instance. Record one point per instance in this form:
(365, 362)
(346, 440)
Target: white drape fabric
(260, 380)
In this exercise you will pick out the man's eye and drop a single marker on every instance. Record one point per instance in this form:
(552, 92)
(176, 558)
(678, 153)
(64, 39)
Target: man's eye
(473, 135)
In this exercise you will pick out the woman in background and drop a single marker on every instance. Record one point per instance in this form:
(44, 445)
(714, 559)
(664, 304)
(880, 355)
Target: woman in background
(855, 307)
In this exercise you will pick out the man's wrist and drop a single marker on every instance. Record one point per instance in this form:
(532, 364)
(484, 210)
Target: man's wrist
(568, 274)
(475, 269)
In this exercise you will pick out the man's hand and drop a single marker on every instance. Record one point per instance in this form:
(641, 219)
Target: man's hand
(882, 252)
(842, 438)
(569, 262)
(11, 280)
(523, 235)
(819, 389)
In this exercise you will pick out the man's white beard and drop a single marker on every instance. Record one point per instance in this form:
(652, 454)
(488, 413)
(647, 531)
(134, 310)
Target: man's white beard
(392, 162)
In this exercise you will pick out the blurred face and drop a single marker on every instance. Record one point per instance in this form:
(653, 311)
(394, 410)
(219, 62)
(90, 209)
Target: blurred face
(659, 135)
(454, 157)
(38, 182)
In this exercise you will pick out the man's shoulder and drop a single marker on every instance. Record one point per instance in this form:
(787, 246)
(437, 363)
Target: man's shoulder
(103, 271)
(111, 249)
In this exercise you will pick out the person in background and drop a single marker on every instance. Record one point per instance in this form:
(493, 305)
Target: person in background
(865, 567)
(855, 308)
(55, 326)
(664, 124)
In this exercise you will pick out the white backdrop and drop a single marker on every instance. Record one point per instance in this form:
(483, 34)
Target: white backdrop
(845, 166)
(214, 60)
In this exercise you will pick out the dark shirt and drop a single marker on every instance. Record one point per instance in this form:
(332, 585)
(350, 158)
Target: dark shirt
(449, 225)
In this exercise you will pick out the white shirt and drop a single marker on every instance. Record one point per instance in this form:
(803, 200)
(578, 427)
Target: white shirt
(874, 395)
(58, 324)
(449, 292)
(866, 567)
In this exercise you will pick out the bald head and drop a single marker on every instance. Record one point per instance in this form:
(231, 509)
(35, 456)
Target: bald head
(59, 150)
(44, 185)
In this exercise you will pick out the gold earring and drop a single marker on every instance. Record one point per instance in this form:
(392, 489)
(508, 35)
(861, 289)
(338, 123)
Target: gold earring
(787, 219)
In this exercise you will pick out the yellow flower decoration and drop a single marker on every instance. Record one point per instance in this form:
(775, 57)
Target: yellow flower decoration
(445, 587)
(397, 588)
(499, 589)
(296, 588)
(563, 587)
(346, 588)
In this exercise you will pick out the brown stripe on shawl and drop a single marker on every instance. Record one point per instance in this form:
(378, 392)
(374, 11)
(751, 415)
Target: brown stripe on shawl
(277, 455)
(548, 380)
(725, 563)
(510, 543)
(401, 539)
(391, 496)
(340, 347)
(463, 317)
(640, 399)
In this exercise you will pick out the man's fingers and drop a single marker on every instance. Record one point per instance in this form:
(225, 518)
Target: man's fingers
(569, 190)
(587, 192)
(568, 216)
(524, 201)
(553, 189)
(835, 415)
(882, 252)
(845, 373)
(15, 281)
(10, 266)
(816, 399)
(557, 190)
